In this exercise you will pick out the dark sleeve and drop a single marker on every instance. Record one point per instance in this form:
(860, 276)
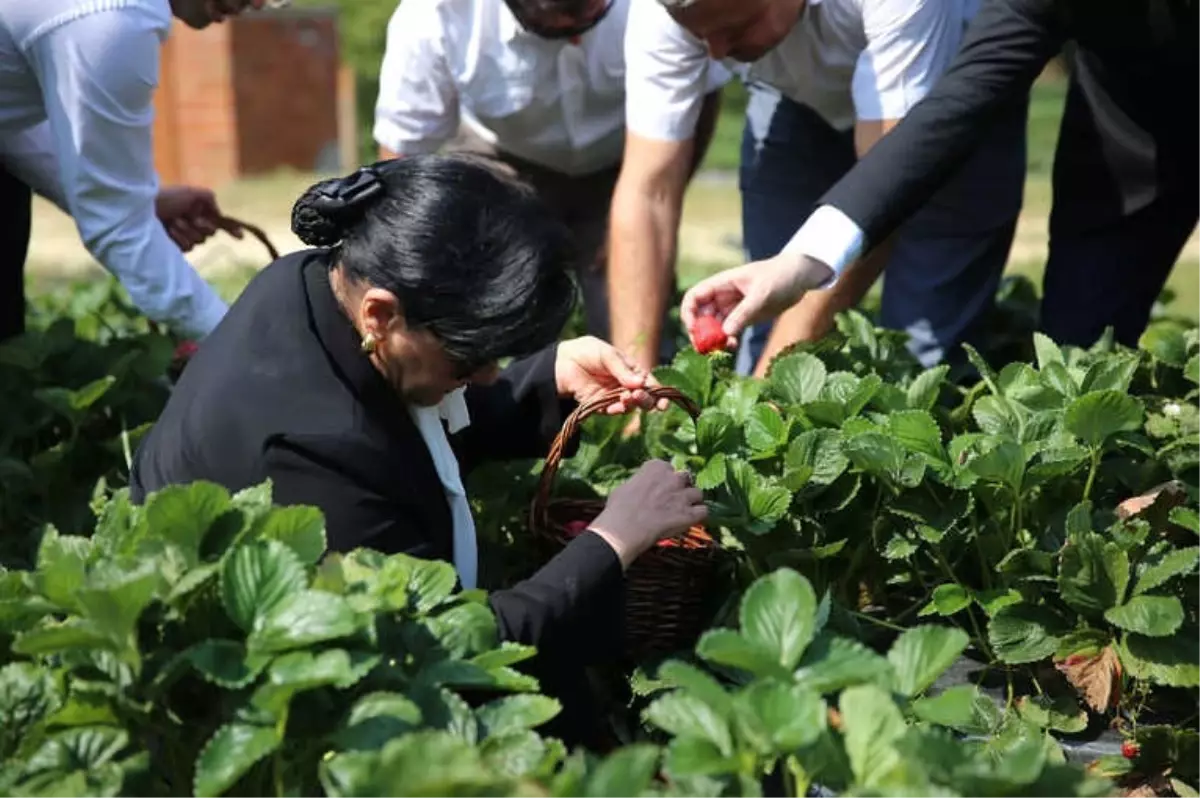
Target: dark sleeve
(517, 416)
(571, 608)
(1005, 48)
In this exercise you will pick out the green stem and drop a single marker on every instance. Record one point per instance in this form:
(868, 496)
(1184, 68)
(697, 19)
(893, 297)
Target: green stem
(983, 641)
(878, 622)
(1091, 480)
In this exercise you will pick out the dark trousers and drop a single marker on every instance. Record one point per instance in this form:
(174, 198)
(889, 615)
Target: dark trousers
(17, 201)
(942, 276)
(1111, 275)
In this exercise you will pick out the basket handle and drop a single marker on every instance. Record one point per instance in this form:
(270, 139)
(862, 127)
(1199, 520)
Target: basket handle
(254, 231)
(541, 499)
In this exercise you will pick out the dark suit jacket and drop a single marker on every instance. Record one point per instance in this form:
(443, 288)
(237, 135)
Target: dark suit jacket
(281, 390)
(1129, 132)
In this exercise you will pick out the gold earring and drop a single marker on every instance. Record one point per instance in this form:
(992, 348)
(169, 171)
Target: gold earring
(368, 343)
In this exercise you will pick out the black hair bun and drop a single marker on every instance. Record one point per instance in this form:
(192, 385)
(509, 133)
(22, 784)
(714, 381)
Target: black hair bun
(311, 220)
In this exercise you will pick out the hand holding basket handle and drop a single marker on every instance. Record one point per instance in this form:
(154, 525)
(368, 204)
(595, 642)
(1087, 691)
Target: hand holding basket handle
(658, 502)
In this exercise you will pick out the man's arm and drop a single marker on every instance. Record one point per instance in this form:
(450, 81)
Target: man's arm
(97, 75)
(416, 110)
(813, 316)
(1006, 47)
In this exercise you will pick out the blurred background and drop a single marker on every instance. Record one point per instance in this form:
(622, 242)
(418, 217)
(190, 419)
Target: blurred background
(259, 143)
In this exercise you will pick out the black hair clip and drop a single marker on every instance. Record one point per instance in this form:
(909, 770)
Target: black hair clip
(350, 193)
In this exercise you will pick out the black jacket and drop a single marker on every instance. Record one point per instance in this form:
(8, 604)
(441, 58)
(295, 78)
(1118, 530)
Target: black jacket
(1129, 130)
(281, 390)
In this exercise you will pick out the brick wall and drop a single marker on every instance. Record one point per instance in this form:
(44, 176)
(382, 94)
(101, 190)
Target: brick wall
(251, 95)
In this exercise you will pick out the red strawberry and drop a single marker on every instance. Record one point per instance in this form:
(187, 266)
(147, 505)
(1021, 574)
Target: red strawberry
(708, 335)
(1130, 749)
(185, 350)
(575, 528)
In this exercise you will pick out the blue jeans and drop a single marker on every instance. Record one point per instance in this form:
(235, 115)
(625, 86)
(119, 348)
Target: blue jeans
(941, 279)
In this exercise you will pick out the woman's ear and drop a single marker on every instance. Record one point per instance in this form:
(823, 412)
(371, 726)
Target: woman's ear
(380, 313)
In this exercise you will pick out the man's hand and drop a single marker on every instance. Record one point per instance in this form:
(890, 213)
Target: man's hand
(753, 293)
(190, 215)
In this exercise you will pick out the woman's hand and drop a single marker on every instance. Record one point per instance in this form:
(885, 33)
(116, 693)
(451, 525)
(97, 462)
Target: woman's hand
(190, 215)
(655, 503)
(587, 367)
(753, 293)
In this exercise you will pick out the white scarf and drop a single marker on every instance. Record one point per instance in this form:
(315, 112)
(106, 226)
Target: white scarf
(453, 408)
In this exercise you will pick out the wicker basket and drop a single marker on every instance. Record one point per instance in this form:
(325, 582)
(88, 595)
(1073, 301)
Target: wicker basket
(667, 586)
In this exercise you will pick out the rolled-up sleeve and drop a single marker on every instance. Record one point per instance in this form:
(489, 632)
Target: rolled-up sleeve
(98, 72)
(667, 74)
(910, 43)
(417, 107)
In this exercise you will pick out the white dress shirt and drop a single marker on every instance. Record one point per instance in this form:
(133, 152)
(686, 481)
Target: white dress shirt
(849, 60)
(76, 83)
(558, 104)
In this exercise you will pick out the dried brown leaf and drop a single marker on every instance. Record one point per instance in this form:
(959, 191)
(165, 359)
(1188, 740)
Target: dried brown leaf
(1098, 677)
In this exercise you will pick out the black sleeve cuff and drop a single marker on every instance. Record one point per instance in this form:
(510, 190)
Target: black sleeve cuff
(572, 609)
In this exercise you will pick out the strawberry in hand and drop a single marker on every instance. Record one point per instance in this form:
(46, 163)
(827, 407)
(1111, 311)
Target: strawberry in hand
(708, 335)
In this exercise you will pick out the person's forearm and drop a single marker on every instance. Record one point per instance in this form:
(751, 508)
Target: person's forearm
(812, 317)
(641, 273)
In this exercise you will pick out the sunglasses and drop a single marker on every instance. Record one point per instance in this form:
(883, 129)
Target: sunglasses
(538, 28)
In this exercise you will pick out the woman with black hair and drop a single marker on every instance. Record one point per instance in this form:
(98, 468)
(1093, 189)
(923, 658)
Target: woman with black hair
(334, 370)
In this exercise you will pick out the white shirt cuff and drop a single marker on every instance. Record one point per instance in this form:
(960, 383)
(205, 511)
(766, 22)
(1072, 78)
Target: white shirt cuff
(830, 236)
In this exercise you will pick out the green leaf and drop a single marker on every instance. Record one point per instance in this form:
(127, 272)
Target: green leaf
(1047, 351)
(1097, 416)
(760, 503)
(992, 601)
(1168, 661)
(57, 638)
(778, 718)
(230, 754)
(924, 389)
(377, 718)
(424, 762)
(61, 566)
(256, 578)
(1021, 633)
(1166, 341)
(300, 671)
(1160, 569)
(1057, 377)
(878, 455)
(115, 594)
(797, 378)
(465, 629)
(685, 715)
(918, 432)
(778, 614)
(300, 528)
(1111, 373)
(997, 416)
(766, 430)
(1192, 369)
(1153, 616)
(302, 619)
(697, 683)
(947, 599)
(727, 647)
(224, 662)
(871, 727)
(627, 771)
(1003, 463)
(431, 583)
(922, 653)
(1185, 517)
(821, 451)
(1058, 713)
(713, 474)
(515, 755)
(1092, 574)
(183, 514)
(516, 713)
(961, 707)
(28, 694)
(716, 433)
(833, 663)
(691, 757)
(87, 748)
